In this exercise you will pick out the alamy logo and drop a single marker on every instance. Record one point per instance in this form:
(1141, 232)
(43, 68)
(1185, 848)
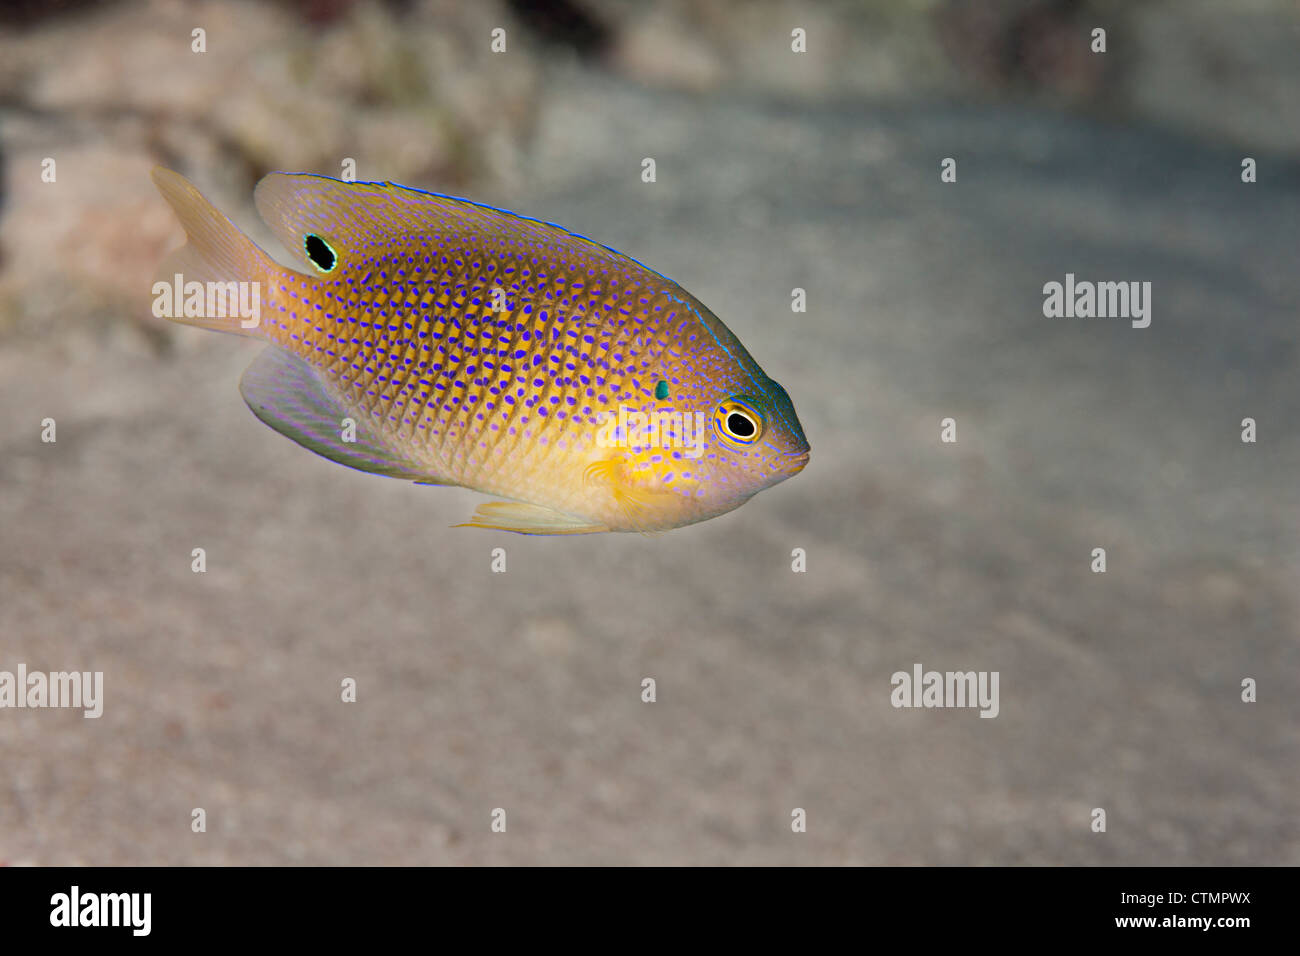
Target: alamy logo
(949, 689)
(56, 689)
(208, 300)
(1098, 300)
(102, 909)
(634, 429)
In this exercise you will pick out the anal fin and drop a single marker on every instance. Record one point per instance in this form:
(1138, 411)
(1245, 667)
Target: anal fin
(286, 393)
(523, 518)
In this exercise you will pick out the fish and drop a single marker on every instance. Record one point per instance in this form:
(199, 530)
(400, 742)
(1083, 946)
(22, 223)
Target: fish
(438, 340)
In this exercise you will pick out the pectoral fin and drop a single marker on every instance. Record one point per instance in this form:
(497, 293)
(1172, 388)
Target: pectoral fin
(637, 505)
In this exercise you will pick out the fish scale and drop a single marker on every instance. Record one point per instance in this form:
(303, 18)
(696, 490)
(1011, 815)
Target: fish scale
(392, 324)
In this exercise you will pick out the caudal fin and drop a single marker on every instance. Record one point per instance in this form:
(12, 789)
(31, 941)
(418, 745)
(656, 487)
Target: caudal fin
(224, 280)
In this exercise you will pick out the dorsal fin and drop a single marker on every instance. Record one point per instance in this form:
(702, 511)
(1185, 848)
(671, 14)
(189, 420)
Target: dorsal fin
(354, 217)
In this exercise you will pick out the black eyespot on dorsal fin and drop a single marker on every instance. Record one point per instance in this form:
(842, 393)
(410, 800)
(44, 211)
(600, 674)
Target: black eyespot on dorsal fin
(320, 252)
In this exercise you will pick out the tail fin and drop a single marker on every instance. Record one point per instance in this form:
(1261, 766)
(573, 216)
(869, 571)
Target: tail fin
(234, 278)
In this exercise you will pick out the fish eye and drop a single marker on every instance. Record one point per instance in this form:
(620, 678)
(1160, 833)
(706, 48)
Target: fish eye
(738, 422)
(320, 252)
(740, 425)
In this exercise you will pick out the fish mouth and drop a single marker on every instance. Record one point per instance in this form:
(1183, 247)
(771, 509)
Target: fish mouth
(798, 461)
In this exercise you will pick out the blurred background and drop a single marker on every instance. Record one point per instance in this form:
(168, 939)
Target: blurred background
(776, 170)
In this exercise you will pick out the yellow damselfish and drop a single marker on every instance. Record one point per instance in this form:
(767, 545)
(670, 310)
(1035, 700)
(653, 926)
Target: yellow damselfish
(442, 341)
